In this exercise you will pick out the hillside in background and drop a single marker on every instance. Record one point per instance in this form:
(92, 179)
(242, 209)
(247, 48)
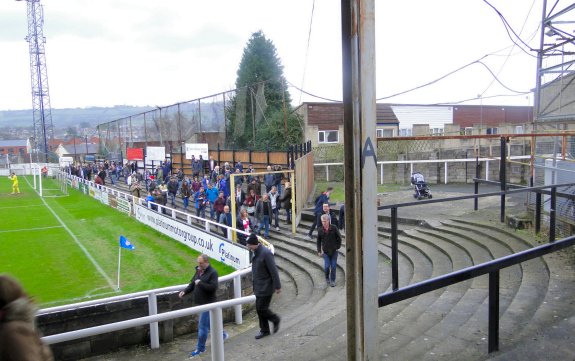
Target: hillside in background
(63, 118)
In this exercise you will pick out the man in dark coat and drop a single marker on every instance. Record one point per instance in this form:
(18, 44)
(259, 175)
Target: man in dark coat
(318, 210)
(328, 242)
(266, 281)
(204, 285)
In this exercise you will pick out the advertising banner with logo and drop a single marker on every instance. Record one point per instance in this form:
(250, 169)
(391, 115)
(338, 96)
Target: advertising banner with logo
(135, 153)
(196, 150)
(155, 153)
(222, 250)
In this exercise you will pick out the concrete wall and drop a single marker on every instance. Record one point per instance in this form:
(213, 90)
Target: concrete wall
(85, 317)
(457, 172)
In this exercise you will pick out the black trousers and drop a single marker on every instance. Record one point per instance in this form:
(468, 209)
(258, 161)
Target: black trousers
(265, 315)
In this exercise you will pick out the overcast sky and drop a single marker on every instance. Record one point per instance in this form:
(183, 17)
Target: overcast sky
(150, 52)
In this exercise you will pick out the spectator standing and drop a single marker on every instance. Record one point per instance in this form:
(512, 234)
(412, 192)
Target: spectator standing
(341, 224)
(212, 194)
(173, 191)
(274, 200)
(201, 200)
(266, 281)
(263, 214)
(328, 242)
(135, 188)
(243, 223)
(239, 166)
(320, 200)
(203, 285)
(250, 204)
(225, 218)
(219, 204)
(196, 167)
(286, 200)
(185, 192)
(196, 184)
(269, 179)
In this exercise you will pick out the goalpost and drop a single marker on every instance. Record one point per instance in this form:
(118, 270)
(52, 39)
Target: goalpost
(49, 180)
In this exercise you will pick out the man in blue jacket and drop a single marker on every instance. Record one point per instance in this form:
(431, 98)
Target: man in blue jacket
(318, 210)
(266, 281)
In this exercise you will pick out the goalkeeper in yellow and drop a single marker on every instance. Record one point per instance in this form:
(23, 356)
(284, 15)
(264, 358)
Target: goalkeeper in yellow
(15, 188)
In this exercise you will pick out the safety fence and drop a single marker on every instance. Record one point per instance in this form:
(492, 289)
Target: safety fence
(247, 117)
(215, 309)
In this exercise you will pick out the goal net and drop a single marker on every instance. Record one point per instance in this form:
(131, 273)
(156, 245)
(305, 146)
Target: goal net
(49, 180)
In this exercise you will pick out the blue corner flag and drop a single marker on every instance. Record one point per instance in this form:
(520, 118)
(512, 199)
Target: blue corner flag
(124, 243)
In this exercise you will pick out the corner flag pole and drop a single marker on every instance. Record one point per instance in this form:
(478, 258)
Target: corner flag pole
(124, 243)
(119, 262)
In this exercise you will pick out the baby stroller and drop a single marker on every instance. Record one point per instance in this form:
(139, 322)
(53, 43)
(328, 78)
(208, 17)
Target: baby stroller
(421, 188)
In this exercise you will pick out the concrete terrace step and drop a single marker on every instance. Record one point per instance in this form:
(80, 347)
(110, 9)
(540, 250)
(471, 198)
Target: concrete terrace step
(447, 324)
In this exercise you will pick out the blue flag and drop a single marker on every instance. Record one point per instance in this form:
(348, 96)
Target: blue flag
(124, 243)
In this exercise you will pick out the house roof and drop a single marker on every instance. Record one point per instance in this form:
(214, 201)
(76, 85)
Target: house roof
(13, 143)
(329, 114)
(81, 148)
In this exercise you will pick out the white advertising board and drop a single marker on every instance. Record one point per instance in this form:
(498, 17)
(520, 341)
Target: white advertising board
(197, 149)
(224, 251)
(156, 153)
(66, 161)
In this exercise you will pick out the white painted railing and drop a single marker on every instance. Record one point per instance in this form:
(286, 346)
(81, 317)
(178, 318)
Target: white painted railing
(412, 162)
(153, 317)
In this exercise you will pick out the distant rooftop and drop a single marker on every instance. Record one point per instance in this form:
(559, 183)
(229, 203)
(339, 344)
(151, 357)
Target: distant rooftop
(13, 143)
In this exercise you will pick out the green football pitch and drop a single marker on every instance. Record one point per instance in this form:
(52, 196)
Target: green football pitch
(65, 249)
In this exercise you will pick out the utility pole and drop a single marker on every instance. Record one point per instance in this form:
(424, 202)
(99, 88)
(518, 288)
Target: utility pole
(360, 165)
(42, 113)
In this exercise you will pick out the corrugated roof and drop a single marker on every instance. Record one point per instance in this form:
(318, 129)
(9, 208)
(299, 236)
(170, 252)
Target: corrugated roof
(13, 143)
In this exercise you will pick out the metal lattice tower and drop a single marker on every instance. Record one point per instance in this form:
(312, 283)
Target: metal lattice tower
(42, 113)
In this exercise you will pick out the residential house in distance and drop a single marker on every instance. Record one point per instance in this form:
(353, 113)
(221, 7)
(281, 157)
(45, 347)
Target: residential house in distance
(14, 151)
(324, 121)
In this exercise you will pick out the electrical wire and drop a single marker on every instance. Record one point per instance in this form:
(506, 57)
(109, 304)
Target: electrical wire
(511, 49)
(307, 48)
(509, 28)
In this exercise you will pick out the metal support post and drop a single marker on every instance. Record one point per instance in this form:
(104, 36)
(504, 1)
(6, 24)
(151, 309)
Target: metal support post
(493, 337)
(217, 337)
(552, 208)
(537, 212)
(153, 310)
(394, 251)
(238, 294)
(503, 176)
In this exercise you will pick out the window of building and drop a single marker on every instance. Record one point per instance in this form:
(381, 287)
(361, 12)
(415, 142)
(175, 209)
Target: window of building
(491, 130)
(328, 136)
(384, 133)
(519, 129)
(10, 150)
(436, 131)
(406, 132)
(468, 131)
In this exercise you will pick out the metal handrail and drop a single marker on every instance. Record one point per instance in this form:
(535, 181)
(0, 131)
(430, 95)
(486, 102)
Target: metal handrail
(129, 296)
(492, 268)
(215, 310)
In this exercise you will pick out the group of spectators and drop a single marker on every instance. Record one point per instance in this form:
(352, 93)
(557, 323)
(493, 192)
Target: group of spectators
(258, 198)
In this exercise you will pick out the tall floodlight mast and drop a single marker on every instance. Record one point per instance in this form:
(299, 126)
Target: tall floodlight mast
(42, 113)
